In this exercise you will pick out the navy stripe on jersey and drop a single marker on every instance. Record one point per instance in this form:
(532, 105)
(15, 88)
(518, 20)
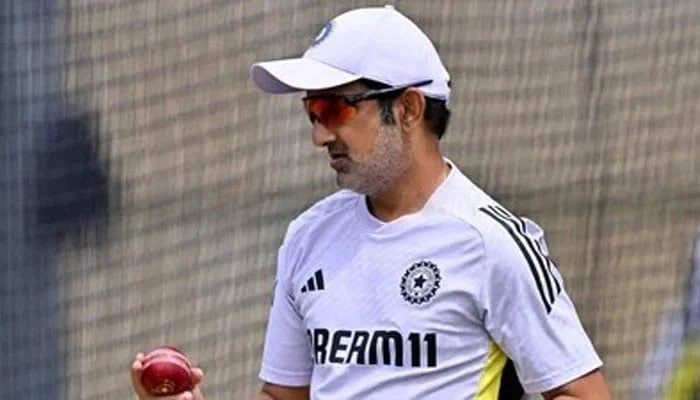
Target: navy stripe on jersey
(550, 266)
(548, 261)
(537, 261)
(545, 263)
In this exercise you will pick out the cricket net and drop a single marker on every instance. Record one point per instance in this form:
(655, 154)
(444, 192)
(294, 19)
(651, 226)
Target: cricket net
(146, 184)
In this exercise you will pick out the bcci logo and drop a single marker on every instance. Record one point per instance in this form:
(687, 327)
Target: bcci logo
(325, 31)
(420, 282)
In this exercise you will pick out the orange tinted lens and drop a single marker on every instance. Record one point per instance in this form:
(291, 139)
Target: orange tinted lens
(331, 112)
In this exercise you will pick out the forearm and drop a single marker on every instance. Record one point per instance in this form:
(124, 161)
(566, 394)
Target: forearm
(588, 396)
(276, 392)
(591, 386)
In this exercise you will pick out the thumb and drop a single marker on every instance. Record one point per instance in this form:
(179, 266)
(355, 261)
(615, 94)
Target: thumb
(197, 375)
(136, 370)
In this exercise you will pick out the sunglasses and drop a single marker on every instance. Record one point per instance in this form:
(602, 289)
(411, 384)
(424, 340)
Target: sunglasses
(333, 110)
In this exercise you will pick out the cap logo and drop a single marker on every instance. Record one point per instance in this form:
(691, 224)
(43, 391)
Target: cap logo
(325, 31)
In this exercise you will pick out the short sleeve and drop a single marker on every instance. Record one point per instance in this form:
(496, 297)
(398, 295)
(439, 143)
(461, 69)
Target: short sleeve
(526, 309)
(286, 355)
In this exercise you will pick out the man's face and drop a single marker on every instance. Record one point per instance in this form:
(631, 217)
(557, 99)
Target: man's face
(367, 155)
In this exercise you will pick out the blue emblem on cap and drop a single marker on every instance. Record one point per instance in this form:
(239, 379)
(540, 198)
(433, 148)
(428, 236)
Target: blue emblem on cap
(325, 31)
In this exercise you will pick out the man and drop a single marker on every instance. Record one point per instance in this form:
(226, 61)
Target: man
(410, 282)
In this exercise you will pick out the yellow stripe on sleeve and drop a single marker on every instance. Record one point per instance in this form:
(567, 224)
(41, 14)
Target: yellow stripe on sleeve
(490, 381)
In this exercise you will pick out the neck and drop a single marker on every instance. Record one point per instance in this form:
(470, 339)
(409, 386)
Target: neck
(411, 191)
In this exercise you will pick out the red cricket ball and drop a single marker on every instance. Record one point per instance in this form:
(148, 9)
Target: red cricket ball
(166, 371)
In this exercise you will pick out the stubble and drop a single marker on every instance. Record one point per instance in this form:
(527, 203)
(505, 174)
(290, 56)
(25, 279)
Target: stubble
(380, 169)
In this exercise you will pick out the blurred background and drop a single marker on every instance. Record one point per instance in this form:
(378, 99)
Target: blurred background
(145, 184)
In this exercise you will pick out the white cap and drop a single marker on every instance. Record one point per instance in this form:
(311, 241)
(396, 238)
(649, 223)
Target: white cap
(377, 43)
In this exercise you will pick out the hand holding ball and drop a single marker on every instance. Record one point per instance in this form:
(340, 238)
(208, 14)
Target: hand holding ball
(166, 371)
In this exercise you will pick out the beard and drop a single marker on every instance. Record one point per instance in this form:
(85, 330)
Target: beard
(377, 171)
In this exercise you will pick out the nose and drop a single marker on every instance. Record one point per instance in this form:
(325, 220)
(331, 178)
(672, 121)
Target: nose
(321, 135)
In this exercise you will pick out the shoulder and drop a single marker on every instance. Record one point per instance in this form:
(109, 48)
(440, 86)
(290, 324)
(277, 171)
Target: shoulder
(518, 260)
(468, 205)
(507, 239)
(320, 213)
(499, 232)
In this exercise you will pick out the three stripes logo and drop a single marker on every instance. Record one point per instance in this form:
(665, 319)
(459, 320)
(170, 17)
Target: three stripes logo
(314, 283)
(541, 266)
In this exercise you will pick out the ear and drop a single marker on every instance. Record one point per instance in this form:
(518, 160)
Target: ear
(412, 107)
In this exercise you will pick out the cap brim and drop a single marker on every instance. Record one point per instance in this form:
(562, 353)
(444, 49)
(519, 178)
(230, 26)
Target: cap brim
(296, 74)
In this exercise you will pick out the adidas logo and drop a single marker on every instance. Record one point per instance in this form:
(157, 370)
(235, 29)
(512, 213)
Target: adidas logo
(314, 283)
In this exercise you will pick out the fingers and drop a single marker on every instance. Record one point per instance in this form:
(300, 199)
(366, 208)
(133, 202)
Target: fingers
(194, 394)
(136, 370)
(197, 394)
(182, 396)
(197, 375)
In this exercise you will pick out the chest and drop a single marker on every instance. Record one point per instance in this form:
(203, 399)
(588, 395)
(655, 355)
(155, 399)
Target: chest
(404, 282)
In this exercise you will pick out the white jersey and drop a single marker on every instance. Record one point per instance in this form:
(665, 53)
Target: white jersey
(431, 306)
